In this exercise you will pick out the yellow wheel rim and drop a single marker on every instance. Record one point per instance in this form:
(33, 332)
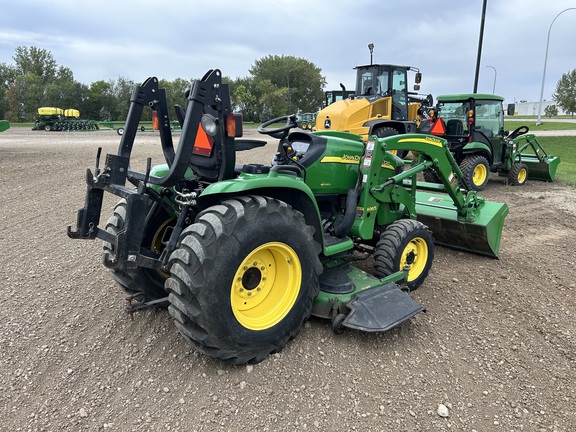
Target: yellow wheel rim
(479, 175)
(415, 255)
(522, 175)
(266, 286)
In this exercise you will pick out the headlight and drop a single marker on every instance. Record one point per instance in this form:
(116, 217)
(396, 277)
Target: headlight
(209, 124)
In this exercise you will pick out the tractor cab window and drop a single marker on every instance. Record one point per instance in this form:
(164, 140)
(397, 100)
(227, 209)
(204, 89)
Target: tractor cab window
(399, 95)
(374, 81)
(367, 84)
(382, 88)
(489, 118)
(455, 117)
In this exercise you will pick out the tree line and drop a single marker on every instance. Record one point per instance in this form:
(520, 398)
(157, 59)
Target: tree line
(275, 86)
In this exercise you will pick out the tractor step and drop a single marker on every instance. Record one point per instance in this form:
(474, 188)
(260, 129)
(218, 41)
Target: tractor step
(380, 308)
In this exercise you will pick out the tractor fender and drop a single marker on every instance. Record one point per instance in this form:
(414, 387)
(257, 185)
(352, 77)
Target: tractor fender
(287, 188)
(478, 148)
(403, 127)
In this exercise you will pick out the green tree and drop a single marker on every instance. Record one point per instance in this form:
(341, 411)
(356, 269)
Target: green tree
(296, 80)
(244, 100)
(27, 96)
(175, 94)
(7, 77)
(551, 111)
(122, 91)
(64, 92)
(100, 103)
(565, 94)
(36, 61)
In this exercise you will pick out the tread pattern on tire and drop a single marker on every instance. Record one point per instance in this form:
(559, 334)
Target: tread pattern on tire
(197, 253)
(515, 170)
(467, 167)
(389, 246)
(135, 281)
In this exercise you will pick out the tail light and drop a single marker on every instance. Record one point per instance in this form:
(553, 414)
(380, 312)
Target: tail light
(155, 122)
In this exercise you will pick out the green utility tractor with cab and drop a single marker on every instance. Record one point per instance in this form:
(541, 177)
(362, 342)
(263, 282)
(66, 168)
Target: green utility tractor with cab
(473, 126)
(243, 254)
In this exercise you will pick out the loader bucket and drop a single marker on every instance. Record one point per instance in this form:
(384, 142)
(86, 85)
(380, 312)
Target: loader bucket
(481, 237)
(541, 166)
(543, 169)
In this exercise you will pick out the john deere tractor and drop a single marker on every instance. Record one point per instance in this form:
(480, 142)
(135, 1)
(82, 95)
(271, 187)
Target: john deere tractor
(473, 125)
(243, 254)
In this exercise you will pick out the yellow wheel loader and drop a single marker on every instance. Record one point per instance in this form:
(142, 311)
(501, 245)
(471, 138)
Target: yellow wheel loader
(381, 106)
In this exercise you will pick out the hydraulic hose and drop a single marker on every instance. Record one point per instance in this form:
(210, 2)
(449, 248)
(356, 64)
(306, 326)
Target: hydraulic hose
(343, 224)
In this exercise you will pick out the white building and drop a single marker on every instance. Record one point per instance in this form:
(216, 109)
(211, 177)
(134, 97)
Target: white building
(524, 108)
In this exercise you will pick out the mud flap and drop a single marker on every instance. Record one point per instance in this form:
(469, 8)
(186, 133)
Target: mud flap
(380, 309)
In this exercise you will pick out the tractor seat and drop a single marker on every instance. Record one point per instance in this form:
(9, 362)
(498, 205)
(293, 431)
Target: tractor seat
(454, 127)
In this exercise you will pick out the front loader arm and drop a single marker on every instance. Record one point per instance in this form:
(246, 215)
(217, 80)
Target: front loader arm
(398, 200)
(433, 153)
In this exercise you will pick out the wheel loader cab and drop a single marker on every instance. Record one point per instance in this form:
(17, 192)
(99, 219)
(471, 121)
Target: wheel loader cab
(379, 81)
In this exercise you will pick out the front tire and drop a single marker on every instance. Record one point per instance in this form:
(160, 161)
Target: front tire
(405, 242)
(518, 174)
(475, 171)
(243, 278)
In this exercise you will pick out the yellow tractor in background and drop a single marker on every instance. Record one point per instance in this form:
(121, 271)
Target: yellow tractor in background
(381, 106)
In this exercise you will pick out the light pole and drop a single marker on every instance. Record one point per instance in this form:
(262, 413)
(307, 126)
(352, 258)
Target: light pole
(371, 48)
(495, 74)
(538, 122)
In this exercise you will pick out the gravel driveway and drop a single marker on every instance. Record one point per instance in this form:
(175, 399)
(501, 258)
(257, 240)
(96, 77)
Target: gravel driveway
(494, 352)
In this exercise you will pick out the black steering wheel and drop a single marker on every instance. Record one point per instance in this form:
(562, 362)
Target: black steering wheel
(280, 132)
(518, 131)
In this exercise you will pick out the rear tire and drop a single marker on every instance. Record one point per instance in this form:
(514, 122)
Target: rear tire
(405, 242)
(243, 278)
(475, 172)
(143, 280)
(518, 174)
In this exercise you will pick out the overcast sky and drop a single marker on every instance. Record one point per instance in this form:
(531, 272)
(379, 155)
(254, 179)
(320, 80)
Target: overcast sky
(102, 40)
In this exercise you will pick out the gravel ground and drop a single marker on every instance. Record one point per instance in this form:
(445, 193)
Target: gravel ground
(494, 352)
